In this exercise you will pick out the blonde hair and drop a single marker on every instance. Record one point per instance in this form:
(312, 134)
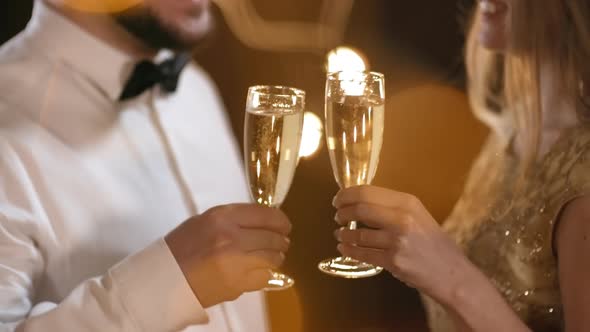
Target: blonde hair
(555, 35)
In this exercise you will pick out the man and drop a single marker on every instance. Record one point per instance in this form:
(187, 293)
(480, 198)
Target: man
(102, 153)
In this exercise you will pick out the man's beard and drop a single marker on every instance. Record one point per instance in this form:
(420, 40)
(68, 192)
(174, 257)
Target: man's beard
(143, 23)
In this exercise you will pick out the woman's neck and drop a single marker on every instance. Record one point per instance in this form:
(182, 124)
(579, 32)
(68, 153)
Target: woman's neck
(557, 114)
(557, 111)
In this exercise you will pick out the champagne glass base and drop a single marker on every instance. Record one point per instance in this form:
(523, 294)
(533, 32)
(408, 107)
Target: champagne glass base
(279, 281)
(346, 267)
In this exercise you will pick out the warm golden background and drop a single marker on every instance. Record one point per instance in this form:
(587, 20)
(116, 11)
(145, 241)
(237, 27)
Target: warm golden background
(430, 140)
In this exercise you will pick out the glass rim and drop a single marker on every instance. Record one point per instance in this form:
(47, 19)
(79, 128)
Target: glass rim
(334, 75)
(295, 91)
(275, 111)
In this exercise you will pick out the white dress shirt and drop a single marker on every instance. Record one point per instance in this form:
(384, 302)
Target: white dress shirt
(89, 186)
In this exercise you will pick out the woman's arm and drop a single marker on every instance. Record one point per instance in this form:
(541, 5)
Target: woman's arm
(476, 297)
(476, 305)
(409, 243)
(573, 249)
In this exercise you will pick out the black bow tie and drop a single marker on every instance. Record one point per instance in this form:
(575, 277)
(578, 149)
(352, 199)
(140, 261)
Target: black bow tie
(147, 74)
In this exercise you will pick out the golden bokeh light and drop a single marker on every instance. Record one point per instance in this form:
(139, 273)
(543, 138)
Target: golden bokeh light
(311, 136)
(350, 63)
(346, 59)
(102, 6)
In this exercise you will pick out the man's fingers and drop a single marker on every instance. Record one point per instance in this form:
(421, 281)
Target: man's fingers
(255, 280)
(260, 239)
(257, 216)
(264, 259)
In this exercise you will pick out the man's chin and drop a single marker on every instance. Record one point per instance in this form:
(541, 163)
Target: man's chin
(194, 32)
(159, 34)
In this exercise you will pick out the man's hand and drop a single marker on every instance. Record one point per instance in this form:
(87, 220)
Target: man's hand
(230, 249)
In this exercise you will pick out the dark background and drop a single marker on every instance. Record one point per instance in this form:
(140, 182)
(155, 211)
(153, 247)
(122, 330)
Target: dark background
(430, 140)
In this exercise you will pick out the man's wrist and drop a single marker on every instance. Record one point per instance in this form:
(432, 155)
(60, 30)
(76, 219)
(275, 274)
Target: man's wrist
(154, 291)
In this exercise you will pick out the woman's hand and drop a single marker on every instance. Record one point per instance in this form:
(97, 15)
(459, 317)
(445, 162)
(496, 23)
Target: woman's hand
(404, 239)
(409, 243)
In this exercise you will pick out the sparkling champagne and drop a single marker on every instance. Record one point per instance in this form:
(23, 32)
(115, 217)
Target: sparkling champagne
(355, 107)
(271, 152)
(354, 129)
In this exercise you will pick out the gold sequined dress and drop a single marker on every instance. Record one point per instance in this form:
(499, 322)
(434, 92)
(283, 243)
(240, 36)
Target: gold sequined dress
(509, 237)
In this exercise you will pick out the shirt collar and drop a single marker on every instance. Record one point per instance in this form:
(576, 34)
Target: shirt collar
(102, 64)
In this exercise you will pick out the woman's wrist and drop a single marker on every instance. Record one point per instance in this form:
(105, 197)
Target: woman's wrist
(452, 280)
(473, 301)
(465, 285)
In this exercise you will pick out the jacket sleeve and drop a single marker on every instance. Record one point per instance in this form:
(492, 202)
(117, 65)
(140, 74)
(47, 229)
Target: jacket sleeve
(144, 292)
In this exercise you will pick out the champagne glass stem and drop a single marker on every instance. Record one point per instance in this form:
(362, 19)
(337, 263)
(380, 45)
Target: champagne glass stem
(352, 225)
(278, 281)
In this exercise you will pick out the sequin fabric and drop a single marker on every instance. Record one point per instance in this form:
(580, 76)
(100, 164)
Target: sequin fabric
(508, 233)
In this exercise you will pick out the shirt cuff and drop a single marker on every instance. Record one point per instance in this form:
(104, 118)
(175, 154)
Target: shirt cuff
(155, 292)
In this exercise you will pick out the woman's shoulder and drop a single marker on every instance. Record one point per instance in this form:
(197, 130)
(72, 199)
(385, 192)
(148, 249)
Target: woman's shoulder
(575, 155)
(565, 173)
(571, 151)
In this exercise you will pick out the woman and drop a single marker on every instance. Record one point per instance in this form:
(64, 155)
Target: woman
(515, 253)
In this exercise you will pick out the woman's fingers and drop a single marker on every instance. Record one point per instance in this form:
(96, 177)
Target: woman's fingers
(368, 238)
(375, 216)
(371, 256)
(375, 196)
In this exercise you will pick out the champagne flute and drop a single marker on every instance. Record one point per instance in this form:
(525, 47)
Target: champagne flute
(355, 107)
(272, 135)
